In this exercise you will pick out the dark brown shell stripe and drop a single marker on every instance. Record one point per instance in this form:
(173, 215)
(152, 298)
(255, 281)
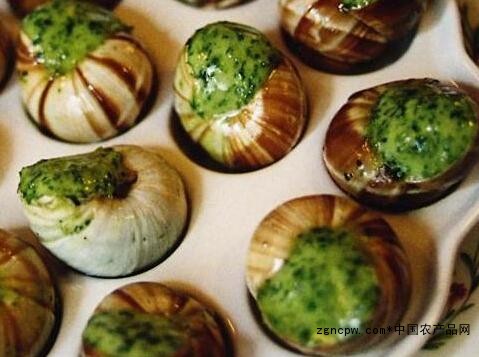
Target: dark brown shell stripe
(277, 233)
(339, 35)
(347, 154)
(28, 62)
(276, 112)
(350, 42)
(153, 298)
(29, 269)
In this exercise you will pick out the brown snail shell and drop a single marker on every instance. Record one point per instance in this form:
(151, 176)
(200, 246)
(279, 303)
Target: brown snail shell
(260, 133)
(349, 41)
(102, 97)
(24, 7)
(205, 337)
(277, 234)
(352, 163)
(6, 56)
(28, 303)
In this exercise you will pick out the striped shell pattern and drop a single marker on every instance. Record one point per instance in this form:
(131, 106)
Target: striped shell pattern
(260, 133)
(6, 55)
(119, 236)
(27, 299)
(354, 36)
(276, 235)
(206, 336)
(103, 96)
(353, 165)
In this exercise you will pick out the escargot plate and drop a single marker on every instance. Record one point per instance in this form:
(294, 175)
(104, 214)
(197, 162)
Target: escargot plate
(28, 301)
(6, 55)
(84, 78)
(238, 97)
(107, 213)
(403, 144)
(325, 262)
(220, 4)
(23, 7)
(347, 35)
(150, 319)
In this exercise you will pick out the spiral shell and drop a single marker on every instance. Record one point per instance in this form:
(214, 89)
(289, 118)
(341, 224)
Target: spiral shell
(102, 97)
(260, 133)
(121, 235)
(23, 7)
(277, 234)
(338, 40)
(353, 165)
(205, 337)
(6, 55)
(28, 300)
(219, 4)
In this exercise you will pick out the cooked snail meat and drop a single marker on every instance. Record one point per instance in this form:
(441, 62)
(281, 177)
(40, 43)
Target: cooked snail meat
(349, 36)
(110, 213)
(325, 262)
(84, 77)
(29, 306)
(403, 144)
(238, 98)
(150, 319)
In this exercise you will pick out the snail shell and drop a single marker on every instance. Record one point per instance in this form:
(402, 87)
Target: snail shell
(353, 163)
(6, 55)
(204, 337)
(28, 301)
(23, 7)
(259, 133)
(327, 36)
(279, 232)
(102, 97)
(119, 235)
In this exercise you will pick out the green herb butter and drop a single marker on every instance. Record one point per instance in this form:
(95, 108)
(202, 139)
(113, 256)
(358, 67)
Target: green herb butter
(78, 179)
(418, 131)
(63, 32)
(230, 63)
(355, 4)
(326, 282)
(132, 334)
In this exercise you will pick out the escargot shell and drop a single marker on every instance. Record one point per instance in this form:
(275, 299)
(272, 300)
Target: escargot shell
(257, 134)
(196, 330)
(274, 242)
(120, 235)
(220, 4)
(330, 37)
(355, 167)
(28, 301)
(102, 97)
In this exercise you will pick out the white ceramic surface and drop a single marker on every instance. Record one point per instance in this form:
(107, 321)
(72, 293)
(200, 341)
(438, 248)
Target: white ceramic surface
(226, 208)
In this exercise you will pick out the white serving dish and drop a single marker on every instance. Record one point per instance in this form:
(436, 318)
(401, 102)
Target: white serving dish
(226, 208)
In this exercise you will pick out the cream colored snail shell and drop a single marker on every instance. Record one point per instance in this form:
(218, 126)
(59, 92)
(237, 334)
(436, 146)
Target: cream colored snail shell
(256, 135)
(120, 235)
(353, 164)
(101, 97)
(204, 336)
(328, 37)
(276, 237)
(6, 56)
(29, 315)
(23, 7)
